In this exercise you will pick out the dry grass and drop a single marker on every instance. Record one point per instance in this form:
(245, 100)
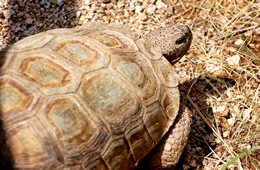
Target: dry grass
(224, 66)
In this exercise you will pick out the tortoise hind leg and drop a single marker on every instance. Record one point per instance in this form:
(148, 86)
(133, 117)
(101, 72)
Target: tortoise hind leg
(169, 150)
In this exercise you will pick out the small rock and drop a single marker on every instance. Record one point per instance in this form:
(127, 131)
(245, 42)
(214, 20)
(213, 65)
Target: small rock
(46, 4)
(140, 27)
(234, 60)
(28, 21)
(131, 6)
(193, 163)
(150, 10)
(32, 29)
(26, 33)
(231, 121)
(160, 4)
(7, 14)
(59, 2)
(226, 134)
(257, 31)
(230, 50)
(109, 6)
(216, 70)
(246, 114)
(238, 42)
(220, 110)
(245, 146)
(138, 9)
(120, 4)
(78, 14)
(229, 92)
(143, 17)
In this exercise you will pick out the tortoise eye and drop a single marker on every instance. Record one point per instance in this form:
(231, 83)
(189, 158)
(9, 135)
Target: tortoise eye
(181, 40)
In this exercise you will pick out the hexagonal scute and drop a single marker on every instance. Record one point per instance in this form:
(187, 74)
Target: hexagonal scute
(140, 142)
(170, 101)
(77, 52)
(13, 97)
(109, 41)
(113, 41)
(156, 121)
(81, 52)
(109, 97)
(94, 162)
(45, 72)
(151, 52)
(117, 155)
(166, 73)
(73, 126)
(30, 149)
(137, 71)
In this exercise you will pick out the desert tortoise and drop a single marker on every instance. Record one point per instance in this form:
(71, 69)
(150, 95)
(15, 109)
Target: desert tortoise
(92, 97)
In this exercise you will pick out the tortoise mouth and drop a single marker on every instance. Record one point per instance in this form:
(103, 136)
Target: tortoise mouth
(174, 61)
(182, 44)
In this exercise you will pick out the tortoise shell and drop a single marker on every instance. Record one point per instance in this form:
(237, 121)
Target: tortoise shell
(92, 97)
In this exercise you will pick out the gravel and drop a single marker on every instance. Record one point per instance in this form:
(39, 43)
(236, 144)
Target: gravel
(19, 18)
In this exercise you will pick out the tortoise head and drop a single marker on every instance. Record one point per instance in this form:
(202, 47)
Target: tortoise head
(174, 41)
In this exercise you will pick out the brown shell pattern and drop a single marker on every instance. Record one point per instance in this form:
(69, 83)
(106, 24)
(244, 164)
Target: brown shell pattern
(92, 97)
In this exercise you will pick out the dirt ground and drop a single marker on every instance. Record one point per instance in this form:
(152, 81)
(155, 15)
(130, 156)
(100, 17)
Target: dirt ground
(219, 77)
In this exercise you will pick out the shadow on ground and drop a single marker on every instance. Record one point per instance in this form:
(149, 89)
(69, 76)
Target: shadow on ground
(201, 134)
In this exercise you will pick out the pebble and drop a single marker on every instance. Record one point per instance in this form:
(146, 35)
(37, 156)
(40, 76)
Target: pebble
(120, 4)
(143, 17)
(238, 42)
(150, 10)
(109, 6)
(160, 4)
(257, 31)
(231, 121)
(138, 9)
(221, 110)
(234, 60)
(226, 134)
(78, 13)
(7, 14)
(28, 21)
(246, 114)
(59, 2)
(193, 163)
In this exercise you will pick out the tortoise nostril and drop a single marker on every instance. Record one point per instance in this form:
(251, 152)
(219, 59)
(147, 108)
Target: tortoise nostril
(181, 40)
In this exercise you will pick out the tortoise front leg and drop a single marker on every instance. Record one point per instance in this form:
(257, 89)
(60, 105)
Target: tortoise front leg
(169, 150)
